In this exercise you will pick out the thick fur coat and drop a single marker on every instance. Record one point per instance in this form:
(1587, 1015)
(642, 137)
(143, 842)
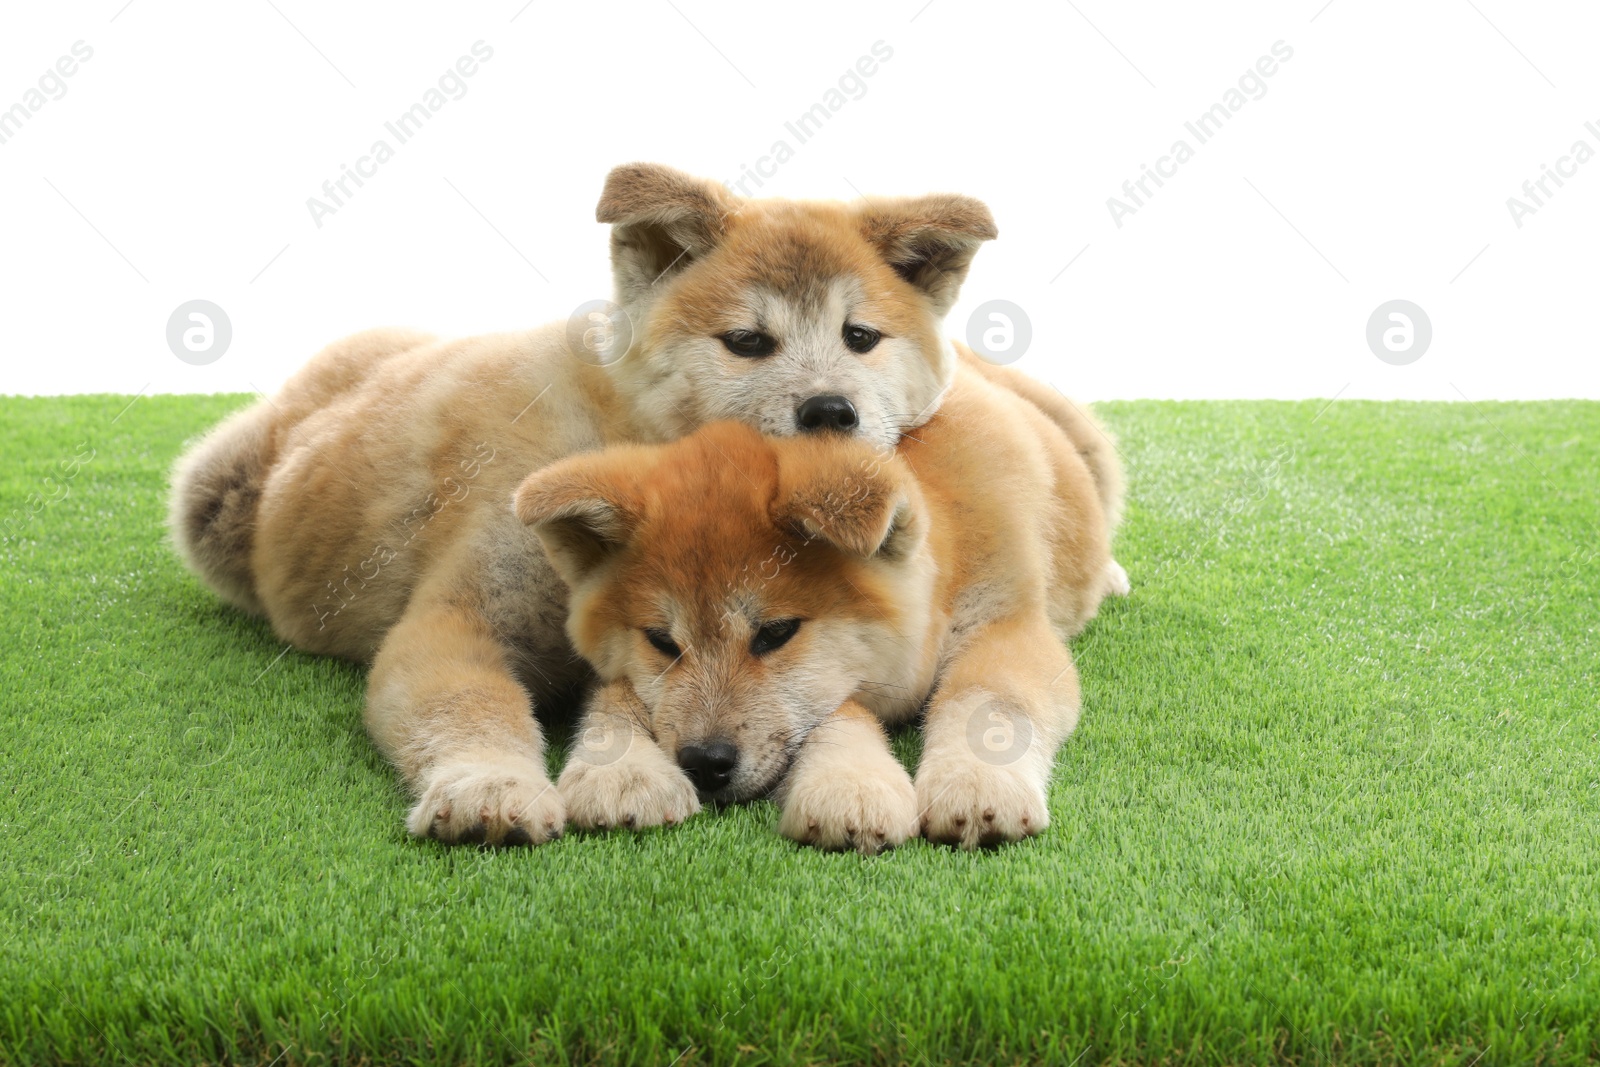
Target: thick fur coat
(364, 510)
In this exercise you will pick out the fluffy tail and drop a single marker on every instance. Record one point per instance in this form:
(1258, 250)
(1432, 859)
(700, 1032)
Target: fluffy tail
(216, 485)
(212, 515)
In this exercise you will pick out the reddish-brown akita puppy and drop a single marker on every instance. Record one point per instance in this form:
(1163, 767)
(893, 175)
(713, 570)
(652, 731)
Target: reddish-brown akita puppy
(756, 607)
(364, 508)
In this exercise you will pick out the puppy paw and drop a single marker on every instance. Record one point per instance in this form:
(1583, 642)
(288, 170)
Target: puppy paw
(1116, 578)
(496, 802)
(642, 788)
(869, 810)
(973, 804)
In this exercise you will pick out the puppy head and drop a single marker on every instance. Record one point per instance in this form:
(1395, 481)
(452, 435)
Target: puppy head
(745, 586)
(789, 316)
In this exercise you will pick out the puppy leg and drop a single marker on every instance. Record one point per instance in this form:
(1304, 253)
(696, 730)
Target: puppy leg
(1116, 579)
(444, 707)
(616, 774)
(1006, 702)
(846, 790)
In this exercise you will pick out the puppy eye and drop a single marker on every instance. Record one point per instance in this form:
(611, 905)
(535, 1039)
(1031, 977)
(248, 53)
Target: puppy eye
(861, 338)
(663, 643)
(749, 343)
(773, 635)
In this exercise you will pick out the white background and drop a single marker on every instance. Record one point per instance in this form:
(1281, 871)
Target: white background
(1377, 166)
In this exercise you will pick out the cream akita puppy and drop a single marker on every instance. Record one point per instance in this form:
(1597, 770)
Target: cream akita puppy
(363, 510)
(755, 606)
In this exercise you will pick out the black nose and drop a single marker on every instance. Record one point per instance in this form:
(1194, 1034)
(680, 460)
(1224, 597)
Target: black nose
(710, 765)
(826, 413)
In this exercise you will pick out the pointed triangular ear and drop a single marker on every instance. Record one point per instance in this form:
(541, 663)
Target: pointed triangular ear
(582, 511)
(929, 240)
(662, 220)
(863, 505)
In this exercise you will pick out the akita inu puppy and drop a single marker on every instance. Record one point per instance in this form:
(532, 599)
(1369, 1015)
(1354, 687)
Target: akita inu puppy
(754, 607)
(363, 510)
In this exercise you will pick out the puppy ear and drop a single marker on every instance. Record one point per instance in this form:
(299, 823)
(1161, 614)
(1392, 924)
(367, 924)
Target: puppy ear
(582, 512)
(662, 220)
(864, 505)
(929, 240)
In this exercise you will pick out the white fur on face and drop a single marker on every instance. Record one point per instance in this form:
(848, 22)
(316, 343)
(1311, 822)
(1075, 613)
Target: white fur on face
(683, 383)
(718, 691)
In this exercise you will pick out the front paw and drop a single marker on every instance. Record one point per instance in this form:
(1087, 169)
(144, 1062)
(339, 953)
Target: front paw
(868, 808)
(973, 804)
(639, 789)
(497, 802)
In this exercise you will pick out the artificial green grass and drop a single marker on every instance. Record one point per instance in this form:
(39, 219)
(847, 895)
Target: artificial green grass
(1333, 799)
